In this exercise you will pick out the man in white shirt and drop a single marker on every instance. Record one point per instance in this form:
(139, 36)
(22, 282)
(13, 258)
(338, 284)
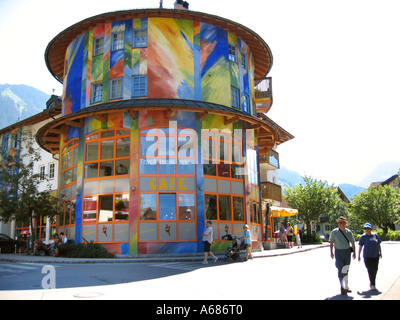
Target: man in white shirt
(63, 237)
(208, 240)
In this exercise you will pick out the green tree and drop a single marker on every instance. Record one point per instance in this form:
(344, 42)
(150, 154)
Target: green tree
(312, 199)
(378, 205)
(20, 198)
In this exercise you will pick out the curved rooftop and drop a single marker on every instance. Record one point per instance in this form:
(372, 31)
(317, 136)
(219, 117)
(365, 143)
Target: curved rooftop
(55, 51)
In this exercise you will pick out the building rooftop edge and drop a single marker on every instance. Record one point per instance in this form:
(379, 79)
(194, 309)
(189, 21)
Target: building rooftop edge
(55, 50)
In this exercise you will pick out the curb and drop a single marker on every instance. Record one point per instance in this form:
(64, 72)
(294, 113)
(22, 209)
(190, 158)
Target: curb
(153, 258)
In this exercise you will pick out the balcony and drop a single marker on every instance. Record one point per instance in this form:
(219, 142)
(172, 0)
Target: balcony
(271, 159)
(263, 94)
(271, 191)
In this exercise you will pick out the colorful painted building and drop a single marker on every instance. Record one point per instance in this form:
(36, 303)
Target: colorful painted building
(159, 129)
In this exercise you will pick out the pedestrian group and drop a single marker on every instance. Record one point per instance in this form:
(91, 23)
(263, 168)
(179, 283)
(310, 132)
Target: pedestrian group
(342, 248)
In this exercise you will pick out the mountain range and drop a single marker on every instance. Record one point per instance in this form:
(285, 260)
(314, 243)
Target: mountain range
(18, 102)
(290, 178)
(381, 173)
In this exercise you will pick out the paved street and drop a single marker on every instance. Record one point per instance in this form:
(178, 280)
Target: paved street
(309, 275)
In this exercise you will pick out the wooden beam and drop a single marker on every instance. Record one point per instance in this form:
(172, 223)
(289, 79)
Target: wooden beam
(254, 126)
(100, 117)
(231, 120)
(51, 146)
(74, 123)
(132, 114)
(202, 115)
(56, 131)
(51, 139)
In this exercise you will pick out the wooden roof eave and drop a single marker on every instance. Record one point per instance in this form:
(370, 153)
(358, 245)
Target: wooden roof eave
(52, 131)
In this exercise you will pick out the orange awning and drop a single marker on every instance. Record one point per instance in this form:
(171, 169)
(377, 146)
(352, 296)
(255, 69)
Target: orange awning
(278, 212)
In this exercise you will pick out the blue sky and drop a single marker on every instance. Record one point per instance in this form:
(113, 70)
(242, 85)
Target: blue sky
(335, 71)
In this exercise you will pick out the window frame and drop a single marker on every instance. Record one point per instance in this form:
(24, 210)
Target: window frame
(232, 53)
(117, 41)
(120, 85)
(139, 78)
(235, 97)
(139, 43)
(98, 48)
(97, 92)
(166, 147)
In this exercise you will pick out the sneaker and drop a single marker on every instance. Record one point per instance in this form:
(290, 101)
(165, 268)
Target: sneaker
(215, 260)
(204, 262)
(373, 287)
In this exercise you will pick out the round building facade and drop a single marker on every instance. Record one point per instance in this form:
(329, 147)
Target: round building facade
(159, 130)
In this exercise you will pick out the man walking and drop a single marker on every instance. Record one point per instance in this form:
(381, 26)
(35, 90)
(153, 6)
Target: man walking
(341, 238)
(208, 240)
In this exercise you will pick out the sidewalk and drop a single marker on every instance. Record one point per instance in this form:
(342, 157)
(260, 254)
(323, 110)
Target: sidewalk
(153, 258)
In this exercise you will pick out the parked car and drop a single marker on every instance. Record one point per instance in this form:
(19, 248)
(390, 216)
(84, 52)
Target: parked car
(7, 244)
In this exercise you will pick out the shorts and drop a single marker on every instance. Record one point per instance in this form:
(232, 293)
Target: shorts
(289, 238)
(207, 246)
(246, 245)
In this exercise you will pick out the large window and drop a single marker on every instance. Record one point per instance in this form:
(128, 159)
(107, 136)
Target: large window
(223, 173)
(68, 180)
(107, 154)
(167, 185)
(106, 182)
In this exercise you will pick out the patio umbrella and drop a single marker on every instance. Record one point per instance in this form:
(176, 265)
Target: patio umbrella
(278, 212)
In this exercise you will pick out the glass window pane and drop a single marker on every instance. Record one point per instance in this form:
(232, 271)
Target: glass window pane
(69, 159)
(186, 166)
(107, 149)
(210, 169)
(167, 146)
(75, 152)
(148, 206)
(106, 168)
(108, 134)
(148, 146)
(224, 207)
(92, 151)
(238, 209)
(148, 166)
(167, 207)
(185, 146)
(210, 206)
(186, 207)
(89, 209)
(121, 207)
(237, 171)
(73, 210)
(123, 147)
(106, 208)
(91, 170)
(122, 166)
(167, 166)
(224, 170)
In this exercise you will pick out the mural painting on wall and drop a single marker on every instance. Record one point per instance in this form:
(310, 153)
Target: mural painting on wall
(182, 59)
